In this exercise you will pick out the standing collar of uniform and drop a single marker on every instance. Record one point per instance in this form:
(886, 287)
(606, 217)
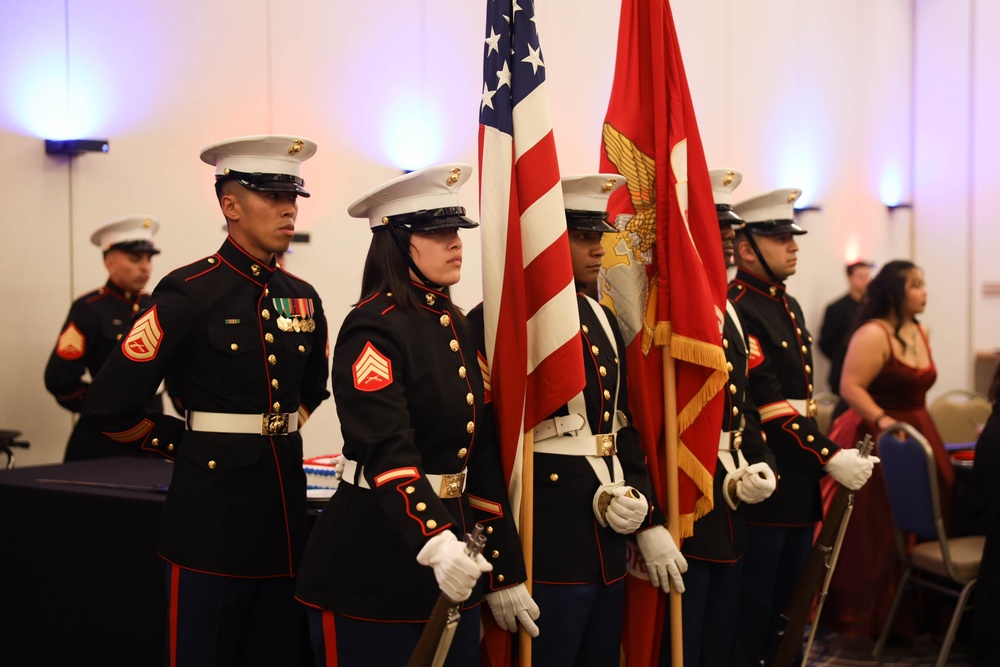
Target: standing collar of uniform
(762, 285)
(429, 297)
(246, 264)
(124, 295)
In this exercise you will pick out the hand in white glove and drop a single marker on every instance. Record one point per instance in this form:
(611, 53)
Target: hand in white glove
(757, 484)
(849, 469)
(627, 510)
(664, 560)
(456, 571)
(338, 468)
(510, 605)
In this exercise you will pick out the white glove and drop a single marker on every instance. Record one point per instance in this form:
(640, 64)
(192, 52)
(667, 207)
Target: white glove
(338, 468)
(627, 510)
(664, 560)
(510, 605)
(757, 484)
(731, 482)
(849, 469)
(456, 571)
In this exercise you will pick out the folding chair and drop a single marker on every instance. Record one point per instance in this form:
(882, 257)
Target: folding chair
(958, 414)
(947, 565)
(8, 439)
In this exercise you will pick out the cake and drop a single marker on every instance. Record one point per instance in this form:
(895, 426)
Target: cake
(321, 475)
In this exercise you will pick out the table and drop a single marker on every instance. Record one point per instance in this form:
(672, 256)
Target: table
(80, 576)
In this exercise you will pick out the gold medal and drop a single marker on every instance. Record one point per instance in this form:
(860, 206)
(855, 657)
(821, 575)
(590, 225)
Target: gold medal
(284, 323)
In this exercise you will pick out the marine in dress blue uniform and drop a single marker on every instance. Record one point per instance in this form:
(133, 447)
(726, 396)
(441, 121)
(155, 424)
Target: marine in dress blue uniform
(591, 487)
(779, 529)
(96, 323)
(422, 462)
(243, 347)
(743, 476)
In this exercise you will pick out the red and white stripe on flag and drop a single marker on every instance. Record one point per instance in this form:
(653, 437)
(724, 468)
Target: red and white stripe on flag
(532, 324)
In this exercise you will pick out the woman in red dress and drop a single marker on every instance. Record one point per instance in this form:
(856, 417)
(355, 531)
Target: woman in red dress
(887, 372)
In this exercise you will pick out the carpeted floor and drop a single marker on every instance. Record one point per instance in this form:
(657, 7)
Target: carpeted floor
(833, 650)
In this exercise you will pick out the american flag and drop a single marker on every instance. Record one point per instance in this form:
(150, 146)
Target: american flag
(531, 319)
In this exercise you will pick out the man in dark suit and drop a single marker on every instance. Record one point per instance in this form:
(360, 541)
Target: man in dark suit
(243, 348)
(95, 326)
(839, 322)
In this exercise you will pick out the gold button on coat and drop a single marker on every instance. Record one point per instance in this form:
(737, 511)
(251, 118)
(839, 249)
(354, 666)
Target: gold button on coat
(462, 452)
(795, 427)
(470, 427)
(271, 359)
(170, 447)
(277, 406)
(156, 442)
(453, 345)
(554, 477)
(732, 389)
(211, 465)
(585, 328)
(269, 337)
(234, 347)
(489, 530)
(595, 350)
(499, 578)
(461, 372)
(432, 524)
(495, 554)
(410, 489)
(804, 349)
(265, 314)
(773, 290)
(421, 507)
(736, 411)
(445, 320)
(606, 416)
(725, 343)
(274, 383)
(808, 368)
(784, 343)
(603, 371)
(607, 394)
(824, 451)
(809, 438)
(729, 366)
(469, 398)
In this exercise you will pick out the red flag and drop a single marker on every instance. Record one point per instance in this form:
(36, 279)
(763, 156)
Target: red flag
(529, 298)
(664, 273)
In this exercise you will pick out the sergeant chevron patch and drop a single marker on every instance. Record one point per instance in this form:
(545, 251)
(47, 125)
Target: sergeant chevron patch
(143, 340)
(72, 343)
(756, 354)
(372, 370)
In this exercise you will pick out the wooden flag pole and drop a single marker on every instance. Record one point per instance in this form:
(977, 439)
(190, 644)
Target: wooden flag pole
(673, 496)
(527, 530)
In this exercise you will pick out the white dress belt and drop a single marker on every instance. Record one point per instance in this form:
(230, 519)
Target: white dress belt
(267, 423)
(444, 485)
(555, 426)
(804, 406)
(730, 459)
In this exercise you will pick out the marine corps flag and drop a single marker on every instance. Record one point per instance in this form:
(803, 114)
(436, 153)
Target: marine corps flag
(664, 277)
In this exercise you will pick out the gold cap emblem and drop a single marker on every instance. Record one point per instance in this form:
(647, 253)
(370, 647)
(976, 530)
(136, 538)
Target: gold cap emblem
(729, 178)
(793, 195)
(296, 147)
(454, 176)
(147, 223)
(609, 185)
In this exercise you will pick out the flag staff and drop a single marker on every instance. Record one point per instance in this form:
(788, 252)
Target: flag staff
(673, 497)
(527, 530)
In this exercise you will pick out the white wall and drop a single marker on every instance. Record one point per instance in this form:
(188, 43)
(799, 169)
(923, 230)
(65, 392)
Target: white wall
(790, 92)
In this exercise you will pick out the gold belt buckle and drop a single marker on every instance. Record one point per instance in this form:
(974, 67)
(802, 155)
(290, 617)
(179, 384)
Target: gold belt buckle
(735, 439)
(812, 408)
(274, 423)
(451, 485)
(605, 444)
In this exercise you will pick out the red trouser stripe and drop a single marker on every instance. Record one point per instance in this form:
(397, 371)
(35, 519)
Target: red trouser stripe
(175, 579)
(329, 638)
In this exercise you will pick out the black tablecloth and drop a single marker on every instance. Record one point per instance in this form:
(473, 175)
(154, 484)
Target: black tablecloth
(81, 582)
